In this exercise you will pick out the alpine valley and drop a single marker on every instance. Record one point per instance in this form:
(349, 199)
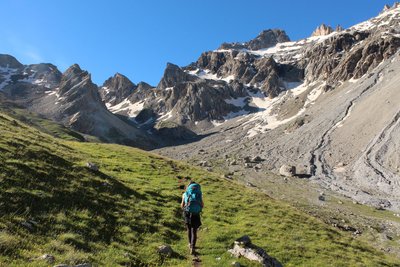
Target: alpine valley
(312, 122)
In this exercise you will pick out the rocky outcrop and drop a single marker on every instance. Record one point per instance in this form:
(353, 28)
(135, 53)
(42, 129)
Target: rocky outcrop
(339, 28)
(115, 89)
(322, 30)
(7, 61)
(343, 56)
(142, 92)
(174, 75)
(265, 39)
(244, 248)
(261, 72)
(70, 98)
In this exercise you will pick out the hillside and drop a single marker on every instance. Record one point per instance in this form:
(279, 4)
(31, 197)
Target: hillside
(51, 203)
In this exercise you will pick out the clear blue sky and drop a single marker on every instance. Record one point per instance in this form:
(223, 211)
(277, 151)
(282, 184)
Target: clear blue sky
(138, 38)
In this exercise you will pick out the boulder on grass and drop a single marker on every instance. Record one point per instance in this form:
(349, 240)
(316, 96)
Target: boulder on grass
(165, 250)
(244, 248)
(287, 170)
(92, 166)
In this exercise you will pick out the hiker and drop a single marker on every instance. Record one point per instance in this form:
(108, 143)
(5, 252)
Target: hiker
(192, 204)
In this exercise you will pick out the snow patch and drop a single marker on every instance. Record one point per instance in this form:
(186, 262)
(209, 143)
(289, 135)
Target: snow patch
(165, 116)
(238, 102)
(6, 74)
(208, 75)
(126, 106)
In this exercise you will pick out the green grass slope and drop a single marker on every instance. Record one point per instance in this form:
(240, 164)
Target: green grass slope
(50, 203)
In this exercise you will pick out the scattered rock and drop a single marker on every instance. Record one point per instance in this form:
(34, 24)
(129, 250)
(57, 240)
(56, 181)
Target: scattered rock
(27, 225)
(244, 248)
(248, 165)
(321, 198)
(233, 162)
(288, 171)
(203, 163)
(243, 241)
(257, 159)
(347, 228)
(236, 264)
(92, 166)
(165, 250)
(61, 265)
(48, 258)
(250, 184)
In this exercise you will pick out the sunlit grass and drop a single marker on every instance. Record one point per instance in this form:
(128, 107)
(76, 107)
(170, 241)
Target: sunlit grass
(120, 214)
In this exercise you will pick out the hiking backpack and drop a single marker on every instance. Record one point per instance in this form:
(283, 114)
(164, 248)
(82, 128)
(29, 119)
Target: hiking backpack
(193, 198)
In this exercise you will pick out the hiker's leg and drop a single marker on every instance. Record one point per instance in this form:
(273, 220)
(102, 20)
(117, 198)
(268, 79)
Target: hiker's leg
(189, 231)
(194, 237)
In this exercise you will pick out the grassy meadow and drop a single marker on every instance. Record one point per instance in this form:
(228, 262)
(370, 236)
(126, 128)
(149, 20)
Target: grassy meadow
(50, 203)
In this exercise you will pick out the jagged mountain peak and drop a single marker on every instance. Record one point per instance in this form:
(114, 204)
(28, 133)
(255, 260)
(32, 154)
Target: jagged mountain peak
(118, 81)
(8, 61)
(116, 88)
(75, 78)
(266, 39)
(74, 71)
(173, 75)
(388, 7)
(322, 30)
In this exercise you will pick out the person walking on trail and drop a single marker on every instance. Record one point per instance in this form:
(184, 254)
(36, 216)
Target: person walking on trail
(192, 204)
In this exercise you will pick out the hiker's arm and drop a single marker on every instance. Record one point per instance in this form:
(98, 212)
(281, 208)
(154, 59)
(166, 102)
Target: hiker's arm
(183, 201)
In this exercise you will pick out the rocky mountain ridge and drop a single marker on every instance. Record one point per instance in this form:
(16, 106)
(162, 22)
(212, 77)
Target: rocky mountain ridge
(241, 76)
(287, 101)
(70, 98)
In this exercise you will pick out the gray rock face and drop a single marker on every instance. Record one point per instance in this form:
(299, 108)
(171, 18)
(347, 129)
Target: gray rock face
(261, 72)
(7, 61)
(174, 75)
(141, 92)
(187, 98)
(70, 98)
(322, 30)
(344, 57)
(265, 39)
(117, 88)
